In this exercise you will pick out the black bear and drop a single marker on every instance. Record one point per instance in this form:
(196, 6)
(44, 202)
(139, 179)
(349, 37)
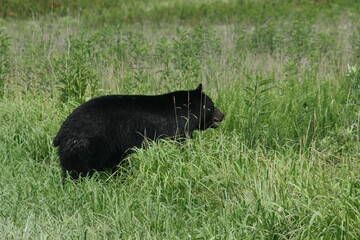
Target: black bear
(98, 134)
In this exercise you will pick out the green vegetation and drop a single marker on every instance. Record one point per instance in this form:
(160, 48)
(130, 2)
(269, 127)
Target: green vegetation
(283, 165)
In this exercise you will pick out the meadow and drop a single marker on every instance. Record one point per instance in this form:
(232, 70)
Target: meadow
(284, 163)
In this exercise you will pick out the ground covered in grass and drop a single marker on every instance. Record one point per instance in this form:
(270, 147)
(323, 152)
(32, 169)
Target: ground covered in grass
(284, 163)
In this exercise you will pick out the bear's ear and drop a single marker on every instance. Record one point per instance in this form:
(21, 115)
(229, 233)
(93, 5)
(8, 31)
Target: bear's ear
(199, 88)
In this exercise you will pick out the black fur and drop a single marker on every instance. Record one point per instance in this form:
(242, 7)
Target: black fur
(98, 134)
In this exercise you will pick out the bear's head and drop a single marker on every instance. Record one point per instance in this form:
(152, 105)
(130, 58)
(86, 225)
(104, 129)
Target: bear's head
(210, 116)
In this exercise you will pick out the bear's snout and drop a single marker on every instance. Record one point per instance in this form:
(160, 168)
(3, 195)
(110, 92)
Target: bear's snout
(218, 117)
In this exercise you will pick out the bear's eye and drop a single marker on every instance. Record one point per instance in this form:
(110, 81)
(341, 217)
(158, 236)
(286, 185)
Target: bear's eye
(207, 109)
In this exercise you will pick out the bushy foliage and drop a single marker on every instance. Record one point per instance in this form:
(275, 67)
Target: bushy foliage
(77, 80)
(4, 59)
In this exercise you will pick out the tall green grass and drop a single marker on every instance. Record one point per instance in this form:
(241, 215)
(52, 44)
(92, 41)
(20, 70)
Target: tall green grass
(284, 163)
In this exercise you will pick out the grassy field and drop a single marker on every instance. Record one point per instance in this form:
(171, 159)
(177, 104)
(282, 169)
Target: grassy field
(284, 164)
